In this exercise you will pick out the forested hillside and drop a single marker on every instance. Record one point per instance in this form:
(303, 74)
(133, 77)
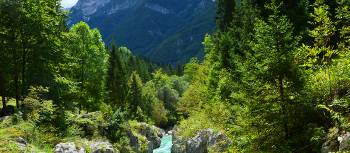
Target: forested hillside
(275, 78)
(168, 31)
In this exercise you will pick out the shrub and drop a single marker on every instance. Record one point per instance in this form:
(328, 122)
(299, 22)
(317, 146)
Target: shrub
(114, 126)
(36, 108)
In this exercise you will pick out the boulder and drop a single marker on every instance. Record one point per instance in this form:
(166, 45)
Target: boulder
(21, 143)
(344, 141)
(21, 140)
(336, 141)
(143, 136)
(201, 143)
(153, 134)
(95, 147)
(102, 147)
(134, 141)
(142, 131)
(220, 141)
(179, 145)
(68, 147)
(4, 118)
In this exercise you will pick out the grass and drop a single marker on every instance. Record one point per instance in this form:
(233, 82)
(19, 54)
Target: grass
(12, 128)
(8, 135)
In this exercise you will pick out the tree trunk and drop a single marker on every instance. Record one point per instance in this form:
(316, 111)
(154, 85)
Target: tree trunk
(3, 100)
(331, 96)
(2, 90)
(16, 79)
(16, 90)
(23, 69)
(284, 108)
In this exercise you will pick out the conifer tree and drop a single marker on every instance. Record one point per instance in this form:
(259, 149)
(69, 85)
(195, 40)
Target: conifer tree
(273, 78)
(116, 82)
(343, 22)
(134, 98)
(225, 10)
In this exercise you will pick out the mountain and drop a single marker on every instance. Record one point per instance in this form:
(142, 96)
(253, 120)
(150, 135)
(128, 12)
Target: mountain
(165, 31)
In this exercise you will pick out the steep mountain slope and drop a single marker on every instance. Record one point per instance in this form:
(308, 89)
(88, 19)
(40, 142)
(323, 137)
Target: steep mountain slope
(166, 31)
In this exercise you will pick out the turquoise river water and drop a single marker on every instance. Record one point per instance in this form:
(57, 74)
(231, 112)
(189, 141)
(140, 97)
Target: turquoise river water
(166, 144)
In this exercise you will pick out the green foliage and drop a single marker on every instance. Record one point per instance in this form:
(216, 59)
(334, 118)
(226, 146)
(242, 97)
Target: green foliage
(225, 11)
(196, 95)
(161, 95)
(36, 108)
(213, 116)
(30, 40)
(114, 126)
(324, 48)
(134, 97)
(159, 114)
(86, 58)
(261, 84)
(343, 20)
(255, 71)
(116, 80)
(172, 38)
(123, 145)
(38, 139)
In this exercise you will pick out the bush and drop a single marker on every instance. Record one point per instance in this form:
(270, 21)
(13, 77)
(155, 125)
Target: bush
(123, 145)
(213, 116)
(114, 126)
(159, 114)
(36, 108)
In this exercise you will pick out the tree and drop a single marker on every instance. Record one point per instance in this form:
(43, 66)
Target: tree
(225, 10)
(270, 71)
(134, 97)
(2, 90)
(116, 82)
(343, 21)
(87, 63)
(319, 55)
(30, 36)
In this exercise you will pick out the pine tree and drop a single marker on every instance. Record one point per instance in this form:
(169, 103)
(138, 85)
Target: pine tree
(134, 98)
(225, 10)
(343, 22)
(116, 82)
(323, 33)
(273, 78)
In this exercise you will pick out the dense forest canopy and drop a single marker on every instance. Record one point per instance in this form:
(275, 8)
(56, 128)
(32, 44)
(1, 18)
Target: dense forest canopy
(275, 78)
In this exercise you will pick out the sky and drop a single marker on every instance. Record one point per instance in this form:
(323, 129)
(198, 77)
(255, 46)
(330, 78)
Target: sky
(68, 3)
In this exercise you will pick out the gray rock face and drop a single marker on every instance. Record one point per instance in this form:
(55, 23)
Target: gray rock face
(4, 118)
(95, 147)
(102, 147)
(21, 140)
(201, 142)
(21, 143)
(344, 142)
(68, 148)
(153, 135)
(341, 142)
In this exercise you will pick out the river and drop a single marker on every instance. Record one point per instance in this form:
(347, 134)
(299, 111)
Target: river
(166, 144)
